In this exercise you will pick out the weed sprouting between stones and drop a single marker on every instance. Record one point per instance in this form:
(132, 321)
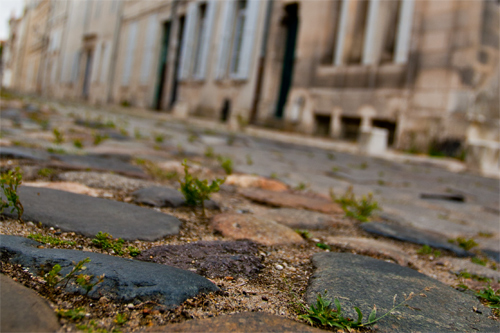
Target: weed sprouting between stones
(121, 319)
(105, 241)
(322, 314)
(99, 138)
(226, 163)
(323, 246)
(360, 209)
(58, 136)
(491, 298)
(49, 240)
(303, 233)
(9, 182)
(53, 278)
(196, 191)
(155, 171)
(427, 250)
(464, 243)
(72, 314)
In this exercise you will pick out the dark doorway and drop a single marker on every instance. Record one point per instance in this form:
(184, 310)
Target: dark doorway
(291, 24)
(86, 78)
(162, 66)
(322, 125)
(225, 111)
(388, 125)
(350, 128)
(175, 81)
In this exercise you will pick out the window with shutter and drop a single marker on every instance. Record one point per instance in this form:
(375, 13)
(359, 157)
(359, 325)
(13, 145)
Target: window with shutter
(129, 53)
(151, 34)
(243, 58)
(97, 62)
(204, 36)
(224, 39)
(188, 41)
(106, 55)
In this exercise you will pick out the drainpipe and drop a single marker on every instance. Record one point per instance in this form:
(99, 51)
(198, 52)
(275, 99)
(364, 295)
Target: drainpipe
(116, 39)
(261, 64)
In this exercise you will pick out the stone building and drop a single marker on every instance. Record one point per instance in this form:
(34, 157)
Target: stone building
(424, 71)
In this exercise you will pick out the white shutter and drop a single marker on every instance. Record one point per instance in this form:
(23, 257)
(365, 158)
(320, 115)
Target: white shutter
(369, 54)
(188, 40)
(225, 39)
(404, 31)
(76, 63)
(249, 31)
(129, 53)
(341, 34)
(106, 56)
(206, 38)
(96, 63)
(149, 48)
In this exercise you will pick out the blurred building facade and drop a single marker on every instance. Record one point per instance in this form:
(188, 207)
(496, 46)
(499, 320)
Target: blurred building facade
(426, 71)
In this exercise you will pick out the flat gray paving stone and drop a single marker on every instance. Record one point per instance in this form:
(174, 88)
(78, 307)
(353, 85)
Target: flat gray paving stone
(495, 255)
(461, 265)
(369, 246)
(215, 259)
(302, 219)
(239, 322)
(88, 215)
(22, 310)
(24, 153)
(125, 280)
(413, 235)
(361, 281)
(159, 196)
(104, 180)
(100, 163)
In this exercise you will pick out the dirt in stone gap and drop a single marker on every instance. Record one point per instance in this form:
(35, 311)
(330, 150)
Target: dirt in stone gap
(278, 288)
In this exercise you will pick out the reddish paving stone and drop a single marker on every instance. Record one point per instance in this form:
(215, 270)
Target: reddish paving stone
(22, 310)
(65, 186)
(370, 247)
(246, 181)
(262, 231)
(240, 322)
(284, 199)
(302, 219)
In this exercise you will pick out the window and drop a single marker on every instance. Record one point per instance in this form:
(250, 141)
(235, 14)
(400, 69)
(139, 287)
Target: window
(195, 47)
(371, 32)
(129, 53)
(238, 35)
(239, 24)
(149, 48)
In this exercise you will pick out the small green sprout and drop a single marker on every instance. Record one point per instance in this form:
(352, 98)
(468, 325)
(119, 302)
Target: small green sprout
(427, 250)
(226, 163)
(360, 209)
(323, 246)
(72, 314)
(106, 242)
(303, 233)
(58, 136)
(196, 191)
(464, 243)
(322, 314)
(49, 240)
(9, 182)
(491, 298)
(78, 143)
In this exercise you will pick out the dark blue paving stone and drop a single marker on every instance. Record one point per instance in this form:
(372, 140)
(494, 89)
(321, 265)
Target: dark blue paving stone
(125, 280)
(101, 163)
(495, 255)
(23, 153)
(159, 196)
(13, 114)
(413, 235)
(363, 282)
(88, 215)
